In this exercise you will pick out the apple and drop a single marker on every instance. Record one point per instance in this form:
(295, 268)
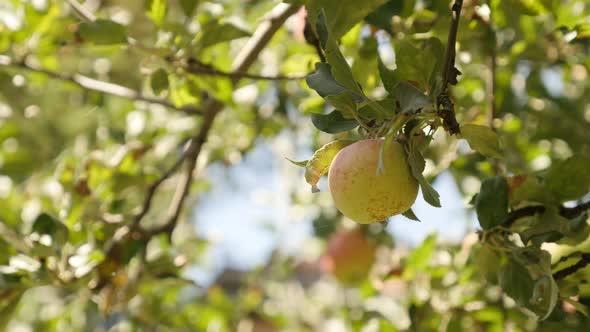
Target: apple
(349, 256)
(365, 196)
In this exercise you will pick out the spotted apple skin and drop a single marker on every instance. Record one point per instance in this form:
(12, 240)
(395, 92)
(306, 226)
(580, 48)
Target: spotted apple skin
(365, 196)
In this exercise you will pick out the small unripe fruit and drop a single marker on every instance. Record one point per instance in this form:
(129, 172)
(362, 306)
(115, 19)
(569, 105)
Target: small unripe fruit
(349, 256)
(365, 196)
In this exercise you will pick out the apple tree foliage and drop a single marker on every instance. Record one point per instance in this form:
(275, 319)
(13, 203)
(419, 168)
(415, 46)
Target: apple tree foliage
(110, 112)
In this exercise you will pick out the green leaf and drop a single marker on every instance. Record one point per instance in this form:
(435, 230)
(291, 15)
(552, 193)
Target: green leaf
(343, 14)
(215, 32)
(569, 179)
(385, 109)
(552, 227)
(388, 76)
(516, 282)
(527, 188)
(48, 224)
(102, 32)
(419, 64)
(159, 81)
(302, 163)
(528, 7)
(340, 69)
(482, 139)
(381, 17)
(578, 231)
(491, 204)
(487, 261)
(188, 6)
(333, 122)
(543, 288)
(344, 103)
(410, 98)
(322, 81)
(417, 164)
(410, 215)
(156, 10)
(319, 164)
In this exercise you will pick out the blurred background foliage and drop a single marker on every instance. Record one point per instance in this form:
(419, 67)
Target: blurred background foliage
(76, 164)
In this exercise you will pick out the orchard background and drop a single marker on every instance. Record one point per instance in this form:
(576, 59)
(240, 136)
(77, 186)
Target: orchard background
(146, 181)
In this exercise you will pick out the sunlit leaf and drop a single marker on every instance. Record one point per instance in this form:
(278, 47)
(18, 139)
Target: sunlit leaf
(302, 163)
(156, 10)
(420, 257)
(321, 160)
(482, 139)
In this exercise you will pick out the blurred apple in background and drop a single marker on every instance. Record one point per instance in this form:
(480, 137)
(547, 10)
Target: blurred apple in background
(349, 256)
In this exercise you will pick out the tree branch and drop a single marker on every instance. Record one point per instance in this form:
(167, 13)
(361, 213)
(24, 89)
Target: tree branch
(274, 20)
(446, 109)
(189, 159)
(147, 202)
(528, 211)
(566, 212)
(196, 67)
(211, 71)
(183, 186)
(92, 84)
(574, 211)
(582, 263)
(243, 61)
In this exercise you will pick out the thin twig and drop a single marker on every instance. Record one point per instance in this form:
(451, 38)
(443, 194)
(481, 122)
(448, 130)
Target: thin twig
(147, 202)
(528, 211)
(84, 13)
(208, 70)
(183, 186)
(446, 109)
(92, 84)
